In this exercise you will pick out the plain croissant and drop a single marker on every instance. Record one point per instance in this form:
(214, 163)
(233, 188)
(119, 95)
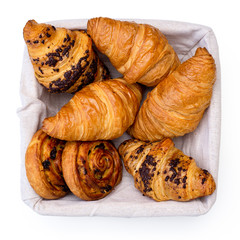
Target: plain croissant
(91, 169)
(100, 111)
(177, 104)
(63, 59)
(163, 172)
(139, 51)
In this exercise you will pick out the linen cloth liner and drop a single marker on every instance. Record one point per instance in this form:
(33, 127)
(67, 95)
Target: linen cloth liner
(125, 201)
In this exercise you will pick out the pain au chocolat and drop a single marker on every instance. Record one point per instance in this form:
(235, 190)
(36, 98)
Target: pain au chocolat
(63, 60)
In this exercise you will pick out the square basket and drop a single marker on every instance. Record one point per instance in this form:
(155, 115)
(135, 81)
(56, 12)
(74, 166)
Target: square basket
(126, 201)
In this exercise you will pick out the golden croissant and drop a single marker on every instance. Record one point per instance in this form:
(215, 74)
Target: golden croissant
(100, 111)
(163, 172)
(139, 51)
(177, 104)
(91, 169)
(43, 164)
(63, 59)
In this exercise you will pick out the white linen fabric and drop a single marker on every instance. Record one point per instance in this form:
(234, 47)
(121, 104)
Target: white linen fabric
(125, 201)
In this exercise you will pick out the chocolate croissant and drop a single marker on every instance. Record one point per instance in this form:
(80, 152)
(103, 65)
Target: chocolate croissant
(163, 172)
(43, 163)
(100, 111)
(177, 104)
(91, 169)
(139, 51)
(63, 59)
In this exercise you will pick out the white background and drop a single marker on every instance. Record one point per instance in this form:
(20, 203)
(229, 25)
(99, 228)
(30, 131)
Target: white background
(20, 221)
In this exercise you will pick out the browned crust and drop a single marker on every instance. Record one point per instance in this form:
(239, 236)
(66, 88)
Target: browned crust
(91, 169)
(36, 169)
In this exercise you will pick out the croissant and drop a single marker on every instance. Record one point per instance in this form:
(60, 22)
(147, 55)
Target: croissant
(91, 169)
(63, 59)
(100, 111)
(177, 104)
(43, 164)
(138, 51)
(162, 172)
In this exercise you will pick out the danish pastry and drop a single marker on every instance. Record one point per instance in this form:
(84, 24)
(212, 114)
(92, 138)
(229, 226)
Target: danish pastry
(91, 169)
(43, 163)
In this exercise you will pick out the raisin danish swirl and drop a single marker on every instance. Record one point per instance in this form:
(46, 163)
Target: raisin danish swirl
(91, 169)
(163, 172)
(63, 59)
(43, 160)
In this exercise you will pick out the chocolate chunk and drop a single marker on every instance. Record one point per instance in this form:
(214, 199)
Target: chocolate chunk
(184, 179)
(71, 76)
(53, 153)
(173, 176)
(65, 50)
(107, 188)
(41, 71)
(72, 43)
(144, 173)
(140, 149)
(51, 61)
(177, 181)
(68, 38)
(53, 54)
(96, 171)
(174, 162)
(150, 160)
(166, 178)
(100, 146)
(205, 171)
(173, 170)
(46, 164)
(68, 74)
(59, 50)
(204, 180)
